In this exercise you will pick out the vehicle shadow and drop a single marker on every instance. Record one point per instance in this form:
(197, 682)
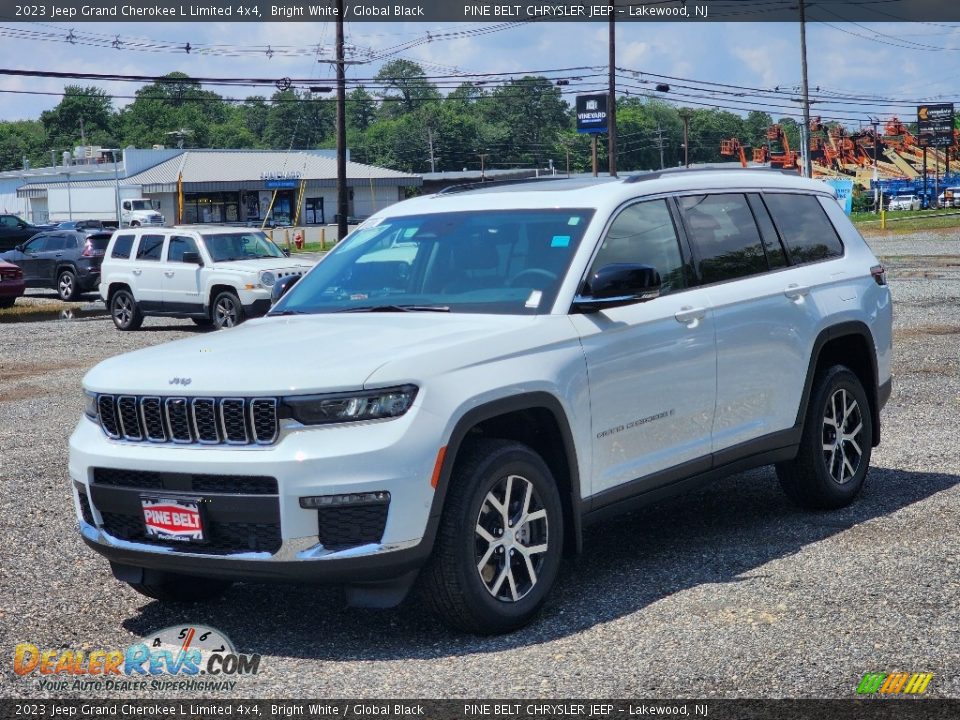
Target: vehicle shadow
(716, 535)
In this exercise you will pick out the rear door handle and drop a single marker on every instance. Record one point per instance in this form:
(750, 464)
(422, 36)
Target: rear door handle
(137, 272)
(690, 316)
(168, 273)
(795, 292)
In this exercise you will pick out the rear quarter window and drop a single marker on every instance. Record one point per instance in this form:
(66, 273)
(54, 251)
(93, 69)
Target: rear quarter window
(804, 226)
(121, 248)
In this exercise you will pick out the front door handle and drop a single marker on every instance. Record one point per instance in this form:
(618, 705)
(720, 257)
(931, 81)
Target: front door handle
(168, 273)
(796, 292)
(690, 316)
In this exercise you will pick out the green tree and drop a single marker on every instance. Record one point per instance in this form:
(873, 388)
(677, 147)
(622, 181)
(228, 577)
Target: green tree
(361, 109)
(300, 120)
(531, 113)
(90, 106)
(172, 109)
(21, 139)
(755, 127)
(405, 88)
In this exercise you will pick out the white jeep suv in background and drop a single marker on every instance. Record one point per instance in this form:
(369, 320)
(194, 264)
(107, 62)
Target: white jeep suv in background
(481, 373)
(215, 275)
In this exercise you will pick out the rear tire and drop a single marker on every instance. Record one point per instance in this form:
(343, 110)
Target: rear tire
(835, 448)
(7, 302)
(171, 587)
(67, 287)
(125, 311)
(500, 540)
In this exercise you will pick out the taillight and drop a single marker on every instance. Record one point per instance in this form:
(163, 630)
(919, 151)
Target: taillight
(90, 251)
(879, 274)
(11, 274)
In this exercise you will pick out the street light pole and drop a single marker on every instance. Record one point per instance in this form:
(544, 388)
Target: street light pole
(612, 90)
(342, 206)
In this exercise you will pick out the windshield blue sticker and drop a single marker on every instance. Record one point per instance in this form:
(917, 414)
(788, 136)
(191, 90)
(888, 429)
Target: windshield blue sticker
(574, 220)
(560, 241)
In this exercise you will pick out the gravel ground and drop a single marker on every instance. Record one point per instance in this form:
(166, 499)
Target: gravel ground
(727, 592)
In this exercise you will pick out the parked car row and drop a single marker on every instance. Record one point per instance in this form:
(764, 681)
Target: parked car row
(65, 260)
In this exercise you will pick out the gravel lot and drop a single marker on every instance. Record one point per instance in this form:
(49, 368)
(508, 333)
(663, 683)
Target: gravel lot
(729, 592)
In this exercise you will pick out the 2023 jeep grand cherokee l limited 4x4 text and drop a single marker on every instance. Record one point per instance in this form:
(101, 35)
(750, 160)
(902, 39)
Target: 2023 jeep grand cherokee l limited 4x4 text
(479, 374)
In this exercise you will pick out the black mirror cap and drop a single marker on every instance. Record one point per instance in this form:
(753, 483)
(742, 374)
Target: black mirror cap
(618, 284)
(282, 286)
(192, 258)
(286, 252)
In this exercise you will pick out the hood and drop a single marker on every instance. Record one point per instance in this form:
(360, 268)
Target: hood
(255, 265)
(302, 354)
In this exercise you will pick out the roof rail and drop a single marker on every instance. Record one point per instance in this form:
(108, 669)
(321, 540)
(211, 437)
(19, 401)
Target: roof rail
(451, 189)
(642, 177)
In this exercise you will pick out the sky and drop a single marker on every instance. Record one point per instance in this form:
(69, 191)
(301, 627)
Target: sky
(875, 62)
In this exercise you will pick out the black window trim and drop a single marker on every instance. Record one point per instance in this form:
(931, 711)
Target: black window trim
(117, 237)
(682, 242)
(163, 247)
(817, 196)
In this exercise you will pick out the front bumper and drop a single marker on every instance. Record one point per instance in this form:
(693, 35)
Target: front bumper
(394, 456)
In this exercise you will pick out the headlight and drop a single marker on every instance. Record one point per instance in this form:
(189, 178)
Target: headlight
(267, 278)
(90, 405)
(350, 407)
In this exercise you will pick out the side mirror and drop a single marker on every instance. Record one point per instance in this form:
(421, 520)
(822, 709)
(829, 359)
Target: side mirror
(192, 258)
(616, 285)
(282, 286)
(22, 225)
(286, 253)
(19, 248)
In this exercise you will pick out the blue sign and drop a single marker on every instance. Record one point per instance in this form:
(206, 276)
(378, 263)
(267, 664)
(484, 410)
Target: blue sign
(592, 114)
(280, 184)
(843, 189)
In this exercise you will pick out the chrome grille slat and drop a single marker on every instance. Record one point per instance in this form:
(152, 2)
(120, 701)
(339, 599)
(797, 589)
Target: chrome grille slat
(129, 415)
(178, 420)
(233, 420)
(190, 420)
(151, 409)
(205, 420)
(263, 420)
(107, 411)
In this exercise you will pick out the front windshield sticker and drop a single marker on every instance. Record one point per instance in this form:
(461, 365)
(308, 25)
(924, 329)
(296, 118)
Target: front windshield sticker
(534, 300)
(410, 232)
(575, 220)
(560, 241)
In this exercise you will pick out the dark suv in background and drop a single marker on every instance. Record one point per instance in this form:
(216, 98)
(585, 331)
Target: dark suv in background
(14, 230)
(66, 260)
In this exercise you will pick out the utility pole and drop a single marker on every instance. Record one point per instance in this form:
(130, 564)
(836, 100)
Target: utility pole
(685, 114)
(612, 99)
(433, 160)
(807, 165)
(660, 145)
(342, 206)
(483, 159)
(876, 175)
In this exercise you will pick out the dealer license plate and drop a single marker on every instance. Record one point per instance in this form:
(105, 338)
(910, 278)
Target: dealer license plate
(172, 519)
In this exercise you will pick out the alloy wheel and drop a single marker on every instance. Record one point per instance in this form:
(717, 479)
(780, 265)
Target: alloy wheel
(123, 309)
(842, 436)
(225, 313)
(511, 538)
(65, 286)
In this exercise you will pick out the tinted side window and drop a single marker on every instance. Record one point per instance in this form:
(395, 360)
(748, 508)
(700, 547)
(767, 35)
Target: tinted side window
(644, 234)
(8, 221)
(55, 242)
(178, 246)
(776, 257)
(725, 236)
(150, 247)
(804, 227)
(36, 244)
(121, 248)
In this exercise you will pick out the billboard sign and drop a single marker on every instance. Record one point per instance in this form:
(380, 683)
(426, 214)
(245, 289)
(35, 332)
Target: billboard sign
(935, 125)
(591, 113)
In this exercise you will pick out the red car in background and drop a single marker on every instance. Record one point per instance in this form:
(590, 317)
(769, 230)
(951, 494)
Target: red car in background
(11, 284)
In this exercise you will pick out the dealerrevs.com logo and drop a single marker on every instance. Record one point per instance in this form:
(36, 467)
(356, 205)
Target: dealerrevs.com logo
(894, 683)
(183, 657)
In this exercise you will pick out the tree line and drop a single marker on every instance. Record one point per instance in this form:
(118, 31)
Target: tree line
(403, 121)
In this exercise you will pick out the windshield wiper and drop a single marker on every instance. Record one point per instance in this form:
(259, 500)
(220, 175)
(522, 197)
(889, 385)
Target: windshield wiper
(281, 313)
(396, 308)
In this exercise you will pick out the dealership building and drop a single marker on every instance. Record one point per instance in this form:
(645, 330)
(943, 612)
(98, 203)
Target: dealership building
(218, 186)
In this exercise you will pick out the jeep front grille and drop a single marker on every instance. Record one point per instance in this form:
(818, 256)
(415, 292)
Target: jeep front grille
(206, 420)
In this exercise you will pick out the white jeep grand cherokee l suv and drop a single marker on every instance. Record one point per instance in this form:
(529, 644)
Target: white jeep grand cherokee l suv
(470, 378)
(215, 275)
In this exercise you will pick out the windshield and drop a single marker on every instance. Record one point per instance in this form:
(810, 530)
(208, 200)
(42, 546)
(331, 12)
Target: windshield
(493, 261)
(140, 205)
(224, 247)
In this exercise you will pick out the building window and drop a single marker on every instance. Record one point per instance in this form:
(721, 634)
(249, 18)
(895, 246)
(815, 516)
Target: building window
(314, 211)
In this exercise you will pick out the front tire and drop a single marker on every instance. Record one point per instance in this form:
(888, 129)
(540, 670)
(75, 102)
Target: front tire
(67, 287)
(7, 302)
(227, 310)
(124, 311)
(500, 540)
(835, 448)
(171, 587)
